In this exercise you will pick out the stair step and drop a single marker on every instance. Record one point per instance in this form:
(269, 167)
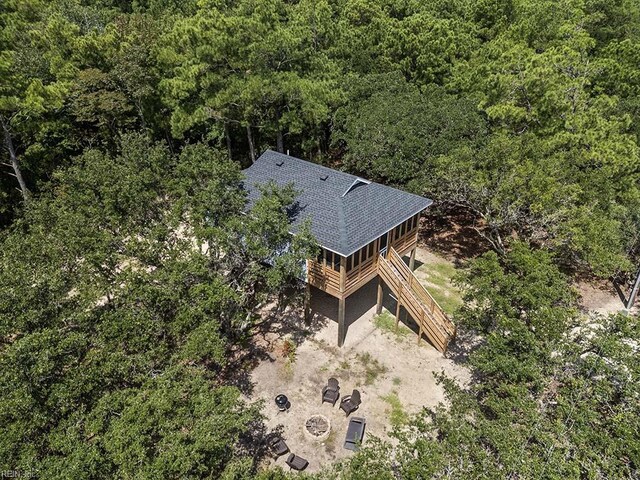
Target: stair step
(419, 303)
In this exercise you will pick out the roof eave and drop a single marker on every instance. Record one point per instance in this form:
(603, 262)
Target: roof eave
(429, 203)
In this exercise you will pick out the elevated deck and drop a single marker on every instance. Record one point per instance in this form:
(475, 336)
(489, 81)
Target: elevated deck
(341, 276)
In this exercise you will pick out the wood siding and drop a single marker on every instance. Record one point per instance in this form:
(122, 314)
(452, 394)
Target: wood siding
(323, 277)
(361, 267)
(405, 236)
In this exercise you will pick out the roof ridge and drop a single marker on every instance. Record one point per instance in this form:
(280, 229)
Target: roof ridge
(342, 226)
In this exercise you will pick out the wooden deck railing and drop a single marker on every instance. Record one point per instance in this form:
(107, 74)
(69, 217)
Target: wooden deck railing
(406, 242)
(323, 277)
(419, 303)
(422, 293)
(362, 270)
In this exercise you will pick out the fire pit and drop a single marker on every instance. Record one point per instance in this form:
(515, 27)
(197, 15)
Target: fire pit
(317, 427)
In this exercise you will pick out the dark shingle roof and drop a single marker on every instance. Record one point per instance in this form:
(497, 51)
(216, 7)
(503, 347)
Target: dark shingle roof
(346, 212)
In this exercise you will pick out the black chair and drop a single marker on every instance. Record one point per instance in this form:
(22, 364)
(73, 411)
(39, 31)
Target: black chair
(277, 446)
(333, 383)
(355, 433)
(331, 393)
(350, 403)
(296, 462)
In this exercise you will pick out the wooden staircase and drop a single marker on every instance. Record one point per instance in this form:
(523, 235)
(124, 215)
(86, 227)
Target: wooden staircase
(411, 294)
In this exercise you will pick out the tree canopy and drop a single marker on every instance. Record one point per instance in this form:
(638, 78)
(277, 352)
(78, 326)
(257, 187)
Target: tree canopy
(131, 271)
(117, 316)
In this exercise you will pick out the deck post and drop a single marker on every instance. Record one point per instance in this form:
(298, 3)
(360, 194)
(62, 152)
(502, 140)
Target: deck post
(307, 303)
(380, 293)
(342, 331)
(398, 306)
(341, 326)
(412, 258)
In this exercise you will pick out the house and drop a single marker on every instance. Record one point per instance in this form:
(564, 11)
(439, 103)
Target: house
(364, 229)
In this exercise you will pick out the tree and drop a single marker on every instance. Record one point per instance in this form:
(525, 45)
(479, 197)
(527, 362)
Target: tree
(258, 67)
(26, 91)
(393, 132)
(560, 157)
(124, 297)
(523, 304)
(43, 46)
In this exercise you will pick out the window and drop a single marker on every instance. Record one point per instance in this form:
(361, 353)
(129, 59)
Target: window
(356, 259)
(336, 262)
(349, 262)
(370, 250)
(320, 257)
(402, 227)
(397, 232)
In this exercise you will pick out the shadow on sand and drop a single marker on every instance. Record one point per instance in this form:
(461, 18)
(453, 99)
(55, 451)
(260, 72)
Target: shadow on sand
(360, 302)
(356, 305)
(266, 338)
(266, 343)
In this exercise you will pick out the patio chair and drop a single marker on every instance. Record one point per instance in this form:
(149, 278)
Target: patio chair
(296, 462)
(355, 433)
(350, 403)
(331, 392)
(333, 384)
(277, 446)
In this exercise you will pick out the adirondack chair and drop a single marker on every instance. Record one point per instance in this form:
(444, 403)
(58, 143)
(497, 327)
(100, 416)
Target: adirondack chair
(331, 392)
(350, 403)
(278, 446)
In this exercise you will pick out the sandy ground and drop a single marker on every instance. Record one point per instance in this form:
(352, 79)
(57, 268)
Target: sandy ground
(598, 300)
(378, 362)
(601, 298)
(382, 365)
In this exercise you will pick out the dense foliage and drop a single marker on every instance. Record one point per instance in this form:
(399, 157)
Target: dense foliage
(521, 113)
(124, 289)
(128, 272)
(553, 395)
